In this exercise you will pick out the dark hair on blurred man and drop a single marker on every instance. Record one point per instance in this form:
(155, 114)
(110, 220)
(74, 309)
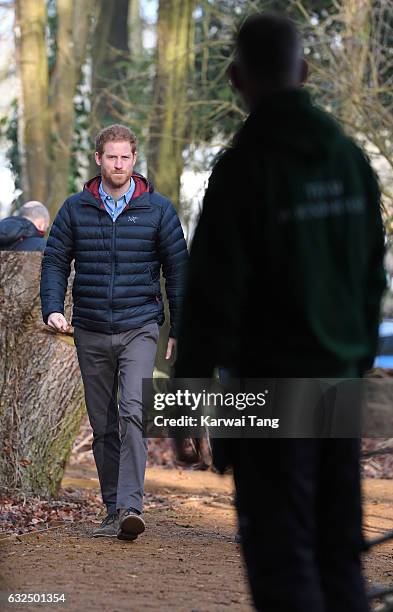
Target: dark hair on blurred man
(285, 281)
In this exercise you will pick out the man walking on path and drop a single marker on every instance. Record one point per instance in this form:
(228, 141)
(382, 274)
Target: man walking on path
(285, 280)
(120, 232)
(26, 231)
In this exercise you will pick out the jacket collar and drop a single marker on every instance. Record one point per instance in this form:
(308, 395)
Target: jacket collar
(143, 188)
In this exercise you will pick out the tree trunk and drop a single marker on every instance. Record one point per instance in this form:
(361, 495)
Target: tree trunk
(72, 39)
(110, 53)
(48, 115)
(356, 54)
(33, 65)
(41, 401)
(168, 122)
(135, 29)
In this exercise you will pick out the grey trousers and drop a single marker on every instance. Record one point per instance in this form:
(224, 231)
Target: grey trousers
(112, 367)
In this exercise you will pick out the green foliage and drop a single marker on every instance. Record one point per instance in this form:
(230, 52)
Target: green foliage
(216, 112)
(214, 105)
(129, 99)
(51, 33)
(81, 147)
(9, 133)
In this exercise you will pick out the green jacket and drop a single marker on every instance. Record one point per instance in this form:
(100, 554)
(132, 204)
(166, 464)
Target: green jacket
(286, 269)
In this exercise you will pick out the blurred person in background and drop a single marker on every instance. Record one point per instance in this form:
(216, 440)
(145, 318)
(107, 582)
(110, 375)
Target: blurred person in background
(25, 231)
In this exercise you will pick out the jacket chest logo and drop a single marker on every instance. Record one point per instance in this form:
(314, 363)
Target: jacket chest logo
(132, 219)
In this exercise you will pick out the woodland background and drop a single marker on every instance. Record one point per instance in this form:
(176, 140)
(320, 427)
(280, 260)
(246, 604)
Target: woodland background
(70, 67)
(73, 66)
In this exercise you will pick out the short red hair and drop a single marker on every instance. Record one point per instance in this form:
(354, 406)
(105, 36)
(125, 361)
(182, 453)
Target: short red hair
(115, 133)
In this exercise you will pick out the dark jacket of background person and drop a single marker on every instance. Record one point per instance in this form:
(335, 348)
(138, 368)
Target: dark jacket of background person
(20, 234)
(286, 268)
(117, 265)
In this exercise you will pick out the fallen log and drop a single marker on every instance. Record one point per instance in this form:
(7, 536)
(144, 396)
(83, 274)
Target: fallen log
(41, 391)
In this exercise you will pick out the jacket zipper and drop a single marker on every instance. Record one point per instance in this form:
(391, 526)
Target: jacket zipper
(113, 250)
(112, 273)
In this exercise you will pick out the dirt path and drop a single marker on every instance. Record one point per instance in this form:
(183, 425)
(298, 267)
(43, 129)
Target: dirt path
(186, 561)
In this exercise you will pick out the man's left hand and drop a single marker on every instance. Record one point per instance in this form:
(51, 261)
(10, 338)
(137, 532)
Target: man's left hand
(170, 348)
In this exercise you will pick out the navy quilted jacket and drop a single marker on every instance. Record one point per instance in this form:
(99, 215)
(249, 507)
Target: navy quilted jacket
(117, 264)
(20, 234)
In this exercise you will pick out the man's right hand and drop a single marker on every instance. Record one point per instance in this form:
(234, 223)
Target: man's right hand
(58, 322)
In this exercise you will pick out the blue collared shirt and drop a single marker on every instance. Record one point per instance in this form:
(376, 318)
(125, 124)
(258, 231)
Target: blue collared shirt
(115, 208)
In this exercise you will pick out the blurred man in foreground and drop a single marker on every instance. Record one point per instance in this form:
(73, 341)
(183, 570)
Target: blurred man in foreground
(26, 231)
(285, 280)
